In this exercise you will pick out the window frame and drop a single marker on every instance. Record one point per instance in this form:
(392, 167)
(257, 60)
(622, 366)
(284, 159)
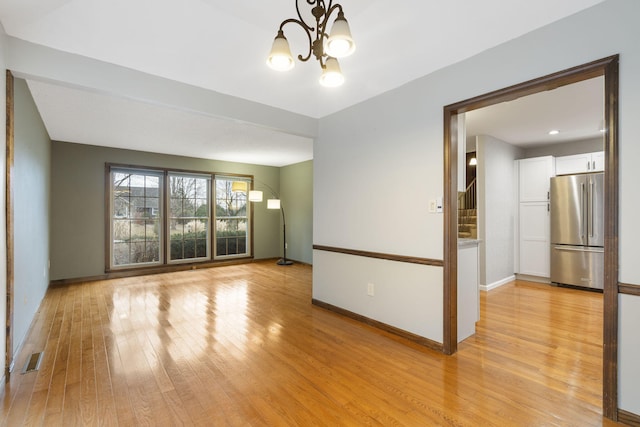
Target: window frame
(110, 212)
(248, 216)
(169, 218)
(165, 263)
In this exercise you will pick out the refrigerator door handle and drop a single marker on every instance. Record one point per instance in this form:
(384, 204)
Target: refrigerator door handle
(579, 249)
(590, 213)
(582, 208)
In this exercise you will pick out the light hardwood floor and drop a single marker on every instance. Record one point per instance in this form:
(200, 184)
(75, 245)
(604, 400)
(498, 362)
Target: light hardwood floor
(242, 345)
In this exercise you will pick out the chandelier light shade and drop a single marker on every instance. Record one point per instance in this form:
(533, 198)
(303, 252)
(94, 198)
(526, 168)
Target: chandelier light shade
(340, 43)
(280, 58)
(331, 75)
(326, 46)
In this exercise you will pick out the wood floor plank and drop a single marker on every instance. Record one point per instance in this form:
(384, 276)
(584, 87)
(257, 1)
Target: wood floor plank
(242, 345)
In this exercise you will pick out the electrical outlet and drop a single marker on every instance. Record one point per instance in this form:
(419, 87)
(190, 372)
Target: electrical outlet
(370, 289)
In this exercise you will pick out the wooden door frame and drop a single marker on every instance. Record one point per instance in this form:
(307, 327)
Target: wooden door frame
(607, 67)
(9, 225)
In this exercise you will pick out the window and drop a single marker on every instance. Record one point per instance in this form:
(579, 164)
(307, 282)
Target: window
(159, 217)
(232, 220)
(189, 212)
(136, 217)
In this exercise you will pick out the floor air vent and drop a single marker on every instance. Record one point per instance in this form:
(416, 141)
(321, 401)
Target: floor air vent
(33, 363)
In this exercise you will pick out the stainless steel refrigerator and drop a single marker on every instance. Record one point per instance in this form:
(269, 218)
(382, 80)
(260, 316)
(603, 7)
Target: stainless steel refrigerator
(577, 230)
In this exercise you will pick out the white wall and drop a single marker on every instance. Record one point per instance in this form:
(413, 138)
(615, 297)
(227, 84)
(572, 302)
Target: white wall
(629, 351)
(408, 297)
(378, 163)
(497, 182)
(3, 230)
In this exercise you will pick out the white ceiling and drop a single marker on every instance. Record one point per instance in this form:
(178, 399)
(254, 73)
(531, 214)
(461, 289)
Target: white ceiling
(576, 111)
(222, 45)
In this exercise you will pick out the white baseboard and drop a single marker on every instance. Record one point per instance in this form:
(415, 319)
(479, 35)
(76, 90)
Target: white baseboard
(497, 284)
(529, 278)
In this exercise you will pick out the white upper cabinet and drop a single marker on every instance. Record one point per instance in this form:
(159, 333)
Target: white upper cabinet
(534, 178)
(598, 161)
(580, 163)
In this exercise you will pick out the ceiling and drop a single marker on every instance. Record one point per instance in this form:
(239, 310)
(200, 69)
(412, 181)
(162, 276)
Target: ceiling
(221, 46)
(576, 111)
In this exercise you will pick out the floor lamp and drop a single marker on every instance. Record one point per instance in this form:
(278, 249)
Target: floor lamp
(256, 196)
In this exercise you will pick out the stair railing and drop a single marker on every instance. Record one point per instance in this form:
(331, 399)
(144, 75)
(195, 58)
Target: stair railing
(470, 195)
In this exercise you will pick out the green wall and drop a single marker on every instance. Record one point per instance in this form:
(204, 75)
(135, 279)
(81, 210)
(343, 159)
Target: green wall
(296, 190)
(32, 155)
(78, 203)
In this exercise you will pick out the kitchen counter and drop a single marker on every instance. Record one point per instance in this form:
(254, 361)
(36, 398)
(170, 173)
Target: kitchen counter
(465, 242)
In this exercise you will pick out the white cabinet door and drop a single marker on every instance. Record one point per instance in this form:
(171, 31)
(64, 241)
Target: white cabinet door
(597, 161)
(580, 163)
(534, 178)
(468, 291)
(534, 239)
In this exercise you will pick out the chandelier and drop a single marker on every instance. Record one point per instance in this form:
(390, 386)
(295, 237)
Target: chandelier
(325, 46)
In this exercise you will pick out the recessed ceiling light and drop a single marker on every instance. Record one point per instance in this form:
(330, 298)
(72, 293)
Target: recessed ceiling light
(554, 132)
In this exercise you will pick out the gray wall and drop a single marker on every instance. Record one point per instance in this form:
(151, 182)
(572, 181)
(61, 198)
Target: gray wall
(497, 183)
(296, 190)
(32, 160)
(565, 149)
(78, 203)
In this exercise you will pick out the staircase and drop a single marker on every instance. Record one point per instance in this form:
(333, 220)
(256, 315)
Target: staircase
(468, 213)
(468, 223)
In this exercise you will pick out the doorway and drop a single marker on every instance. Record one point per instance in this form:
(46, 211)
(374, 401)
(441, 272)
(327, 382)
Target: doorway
(607, 67)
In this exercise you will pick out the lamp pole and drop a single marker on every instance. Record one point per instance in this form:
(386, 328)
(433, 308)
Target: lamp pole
(284, 260)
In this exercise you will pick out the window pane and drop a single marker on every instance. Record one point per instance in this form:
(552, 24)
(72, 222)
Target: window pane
(231, 217)
(121, 253)
(136, 217)
(121, 230)
(190, 207)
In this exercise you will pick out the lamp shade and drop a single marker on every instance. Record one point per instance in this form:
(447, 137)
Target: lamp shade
(255, 196)
(340, 43)
(280, 58)
(273, 203)
(473, 161)
(331, 74)
(239, 186)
